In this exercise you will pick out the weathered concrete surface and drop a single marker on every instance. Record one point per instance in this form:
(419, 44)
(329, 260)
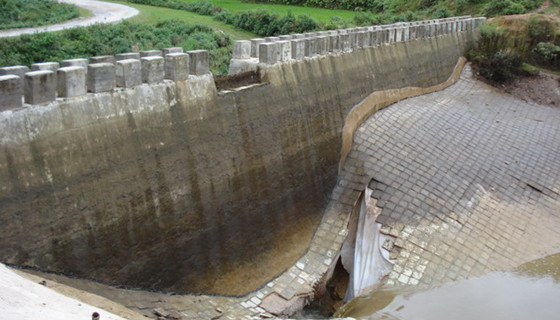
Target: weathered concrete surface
(173, 186)
(468, 180)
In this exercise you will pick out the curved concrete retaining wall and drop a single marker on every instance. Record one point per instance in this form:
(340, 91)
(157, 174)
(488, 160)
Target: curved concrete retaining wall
(173, 185)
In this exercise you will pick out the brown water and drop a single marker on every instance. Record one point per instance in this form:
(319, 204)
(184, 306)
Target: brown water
(532, 291)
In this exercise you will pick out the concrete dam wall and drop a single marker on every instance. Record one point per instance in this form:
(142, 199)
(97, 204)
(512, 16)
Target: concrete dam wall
(172, 185)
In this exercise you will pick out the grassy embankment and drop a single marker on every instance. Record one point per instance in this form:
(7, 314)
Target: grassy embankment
(35, 13)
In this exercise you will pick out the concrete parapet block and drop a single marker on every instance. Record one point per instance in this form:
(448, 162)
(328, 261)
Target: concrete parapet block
(284, 50)
(102, 59)
(322, 45)
(128, 73)
(199, 63)
(167, 51)
(255, 47)
(177, 66)
(285, 37)
(127, 55)
(16, 71)
(39, 87)
(51, 66)
(352, 37)
(11, 91)
(71, 81)
(298, 36)
(345, 42)
(391, 35)
(151, 53)
(298, 49)
(101, 77)
(79, 62)
(311, 47)
(406, 33)
(241, 49)
(268, 53)
(271, 39)
(153, 70)
(334, 43)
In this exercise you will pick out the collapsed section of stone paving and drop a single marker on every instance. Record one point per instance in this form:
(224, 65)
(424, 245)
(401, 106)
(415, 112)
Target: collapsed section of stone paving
(467, 180)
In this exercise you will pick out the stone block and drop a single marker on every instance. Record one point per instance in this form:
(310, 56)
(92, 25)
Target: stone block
(167, 51)
(127, 55)
(177, 66)
(344, 39)
(298, 49)
(271, 39)
(71, 81)
(322, 45)
(285, 37)
(298, 36)
(352, 37)
(268, 53)
(151, 53)
(100, 77)
(39, 87)
(284, 50)
(406, 34)
(255, 47)
(128, 73)
(199, 63)
(80, 62)
(11, 92)
(51, 66)
(15, 70)
(311, 47)
(241, 49)
(153, 69)
(102, 59)
(334, 43)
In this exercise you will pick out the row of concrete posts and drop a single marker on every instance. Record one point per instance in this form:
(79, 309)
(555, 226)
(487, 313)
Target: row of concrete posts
(271, 50)
(46, 81)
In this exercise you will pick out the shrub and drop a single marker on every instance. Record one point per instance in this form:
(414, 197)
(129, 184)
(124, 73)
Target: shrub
(508, 7)
(365, 19)
(493, 58)
(33, 13)
(112, 39)
(442, 13)
(548, 54)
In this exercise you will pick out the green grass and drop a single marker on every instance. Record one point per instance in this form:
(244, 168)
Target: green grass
(319, 14)
(149, 14)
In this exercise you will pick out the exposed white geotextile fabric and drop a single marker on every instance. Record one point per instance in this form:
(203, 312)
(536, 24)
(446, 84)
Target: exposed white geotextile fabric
(370, 261)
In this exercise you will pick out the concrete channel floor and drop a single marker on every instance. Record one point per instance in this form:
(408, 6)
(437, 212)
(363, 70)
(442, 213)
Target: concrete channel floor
(467, 179)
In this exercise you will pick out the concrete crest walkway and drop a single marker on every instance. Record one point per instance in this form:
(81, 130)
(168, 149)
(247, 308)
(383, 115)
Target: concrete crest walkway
(103, 12)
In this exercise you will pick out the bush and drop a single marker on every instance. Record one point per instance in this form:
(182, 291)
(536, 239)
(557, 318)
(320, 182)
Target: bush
(548, 54)
(365, 19)
(493, 58)
(114, 38)
(33, 13)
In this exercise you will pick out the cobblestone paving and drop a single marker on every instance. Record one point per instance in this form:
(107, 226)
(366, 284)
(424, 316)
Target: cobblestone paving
(468, 180)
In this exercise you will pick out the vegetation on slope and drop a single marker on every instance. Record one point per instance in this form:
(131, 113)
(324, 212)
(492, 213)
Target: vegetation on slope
(34, 13)
(116, 38)
(503, 51)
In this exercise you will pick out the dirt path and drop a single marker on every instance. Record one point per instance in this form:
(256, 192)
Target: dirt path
(103, 12)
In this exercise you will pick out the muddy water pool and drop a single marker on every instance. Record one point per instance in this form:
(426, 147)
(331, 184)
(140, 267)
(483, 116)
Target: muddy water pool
(532, 291)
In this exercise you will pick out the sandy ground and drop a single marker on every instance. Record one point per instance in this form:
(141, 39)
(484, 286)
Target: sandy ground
(103, 12)
(22, 299)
